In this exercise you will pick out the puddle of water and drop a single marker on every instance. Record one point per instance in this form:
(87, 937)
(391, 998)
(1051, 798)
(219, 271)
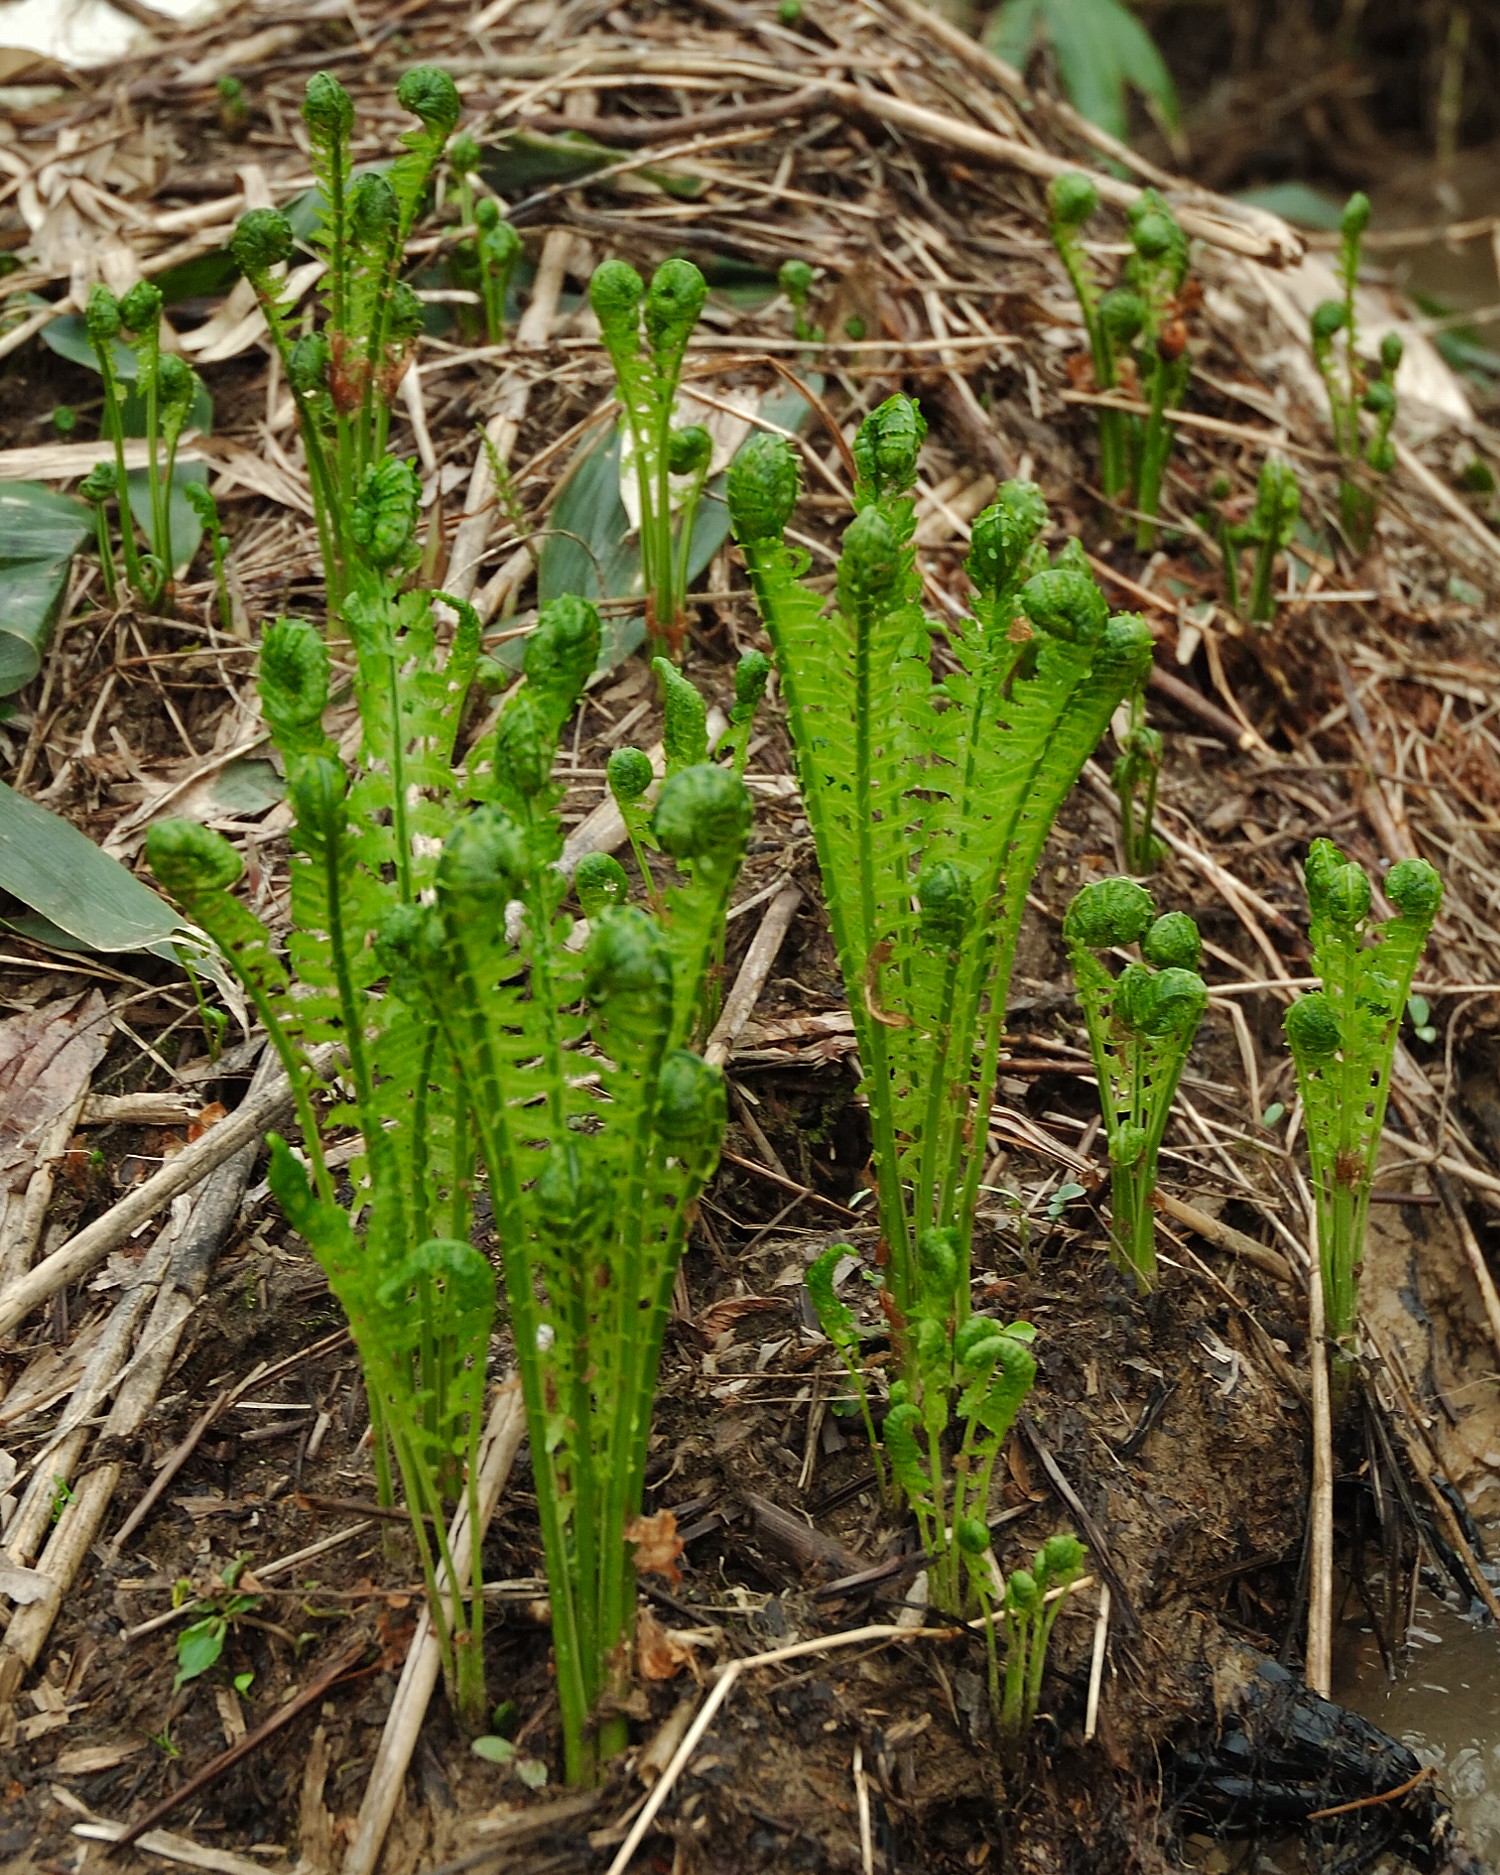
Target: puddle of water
(1446, 1709)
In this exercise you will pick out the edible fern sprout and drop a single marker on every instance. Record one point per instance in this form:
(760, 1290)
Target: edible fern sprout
(929, 801)
(1343, 1041)
(1141, 1025)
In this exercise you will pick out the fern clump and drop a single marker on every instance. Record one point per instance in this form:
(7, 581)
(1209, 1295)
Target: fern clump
(1343, 1040)
(474, 1035)
(1354, 388)
(420, 1302)
(344, 376)
(1137, 337)
(930, 799)
(1141, 1025)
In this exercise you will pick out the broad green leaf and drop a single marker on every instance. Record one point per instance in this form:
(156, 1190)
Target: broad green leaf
(1012, 31)
(1101, 48)
(496, 1750)
(1298, 202)
(69, 338)
(54, 869)
(182, 520)
(247, 786)
(592, 550)
(40, 532)
(198, 1648)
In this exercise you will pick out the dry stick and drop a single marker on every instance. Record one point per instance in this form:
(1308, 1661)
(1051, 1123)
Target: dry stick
(862, 1806)
(1007, 153)
(728, 1675)
(22, 1230)
(93, 1244)
(740, 1003)
(1225, 1237)
(82, 1517)
(502, 1440)
(59, 1455)
(1096, 1664)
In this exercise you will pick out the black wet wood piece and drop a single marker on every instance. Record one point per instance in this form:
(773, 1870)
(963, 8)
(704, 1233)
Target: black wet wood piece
(1279, 1755)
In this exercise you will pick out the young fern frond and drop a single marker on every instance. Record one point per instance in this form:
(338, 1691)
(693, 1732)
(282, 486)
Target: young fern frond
(929, 803)
(1140, 1026)
(1343, 1040)
(1353, 388)
(396, 1257)
(646, 333)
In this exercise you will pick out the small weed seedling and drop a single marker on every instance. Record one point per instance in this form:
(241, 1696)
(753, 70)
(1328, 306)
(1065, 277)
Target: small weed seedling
(1137, 338)
(201, 1642)
(343, 378)
(1141, 1025)
(167, 387)
(929, 800)
(1353, 389)
(1135, 778)
(646, 333)
(1343, 1040)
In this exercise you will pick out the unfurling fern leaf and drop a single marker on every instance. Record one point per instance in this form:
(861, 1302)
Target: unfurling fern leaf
(930, 801)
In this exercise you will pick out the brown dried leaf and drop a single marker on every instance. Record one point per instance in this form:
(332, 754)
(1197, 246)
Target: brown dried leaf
(732, 1309)
(657, 1655)
(46, 1058)
(657, 1545)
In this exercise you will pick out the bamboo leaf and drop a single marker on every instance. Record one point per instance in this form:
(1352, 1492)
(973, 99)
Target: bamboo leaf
(54, 869)
(41, 531)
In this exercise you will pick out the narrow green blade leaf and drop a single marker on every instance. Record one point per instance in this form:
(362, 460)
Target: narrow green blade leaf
(41, 531)
(58, 871)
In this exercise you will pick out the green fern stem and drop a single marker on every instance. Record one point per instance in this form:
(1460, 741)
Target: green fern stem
(128, 548)
(868, 1024)
(462, 1009)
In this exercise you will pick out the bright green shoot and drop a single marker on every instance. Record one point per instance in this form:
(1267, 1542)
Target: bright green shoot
(795, 278)
(1141, 1025)
(1135, 332)
(200, 499)
(1355, 389)
(599, 1127)
(497, 251)
(1343, 1040)
(419, 1300)
(1269, 529)
(646, 332)
(167, 387)
(1135, 779)
(1032, 1602)
(929, 799)
(344, 377)
(991, 1370)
